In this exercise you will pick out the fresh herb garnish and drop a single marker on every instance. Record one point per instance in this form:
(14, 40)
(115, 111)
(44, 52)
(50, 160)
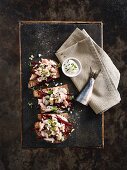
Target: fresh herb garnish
(33, 88)
(71, 97)
(54, 108)
(59, 65)
(50, 92)
(30, 64)
(30, 104)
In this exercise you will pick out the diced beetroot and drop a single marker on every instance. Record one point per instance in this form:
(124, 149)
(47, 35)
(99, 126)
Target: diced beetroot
(41, 93)
(34, 63)
(49, 79)
(46, 116)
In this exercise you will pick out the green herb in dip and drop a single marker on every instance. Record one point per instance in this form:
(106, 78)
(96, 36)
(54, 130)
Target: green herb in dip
(71, 67)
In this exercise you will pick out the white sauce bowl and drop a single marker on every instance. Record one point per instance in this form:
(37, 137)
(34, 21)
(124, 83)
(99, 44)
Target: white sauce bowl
(78, 64)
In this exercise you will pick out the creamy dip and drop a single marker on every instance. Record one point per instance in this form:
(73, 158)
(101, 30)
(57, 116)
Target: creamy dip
(70, 67)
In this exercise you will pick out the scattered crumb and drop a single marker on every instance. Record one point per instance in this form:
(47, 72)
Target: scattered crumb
(61, 83)
(31, 57)
(46, 84)
(76, 114)
(39, 55)
(56, 84)
(30, 104)
(69, 109)
(72, 130)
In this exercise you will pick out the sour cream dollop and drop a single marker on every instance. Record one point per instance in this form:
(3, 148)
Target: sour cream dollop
(71, 67)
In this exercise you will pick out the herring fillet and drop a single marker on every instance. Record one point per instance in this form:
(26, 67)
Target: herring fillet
(85, 95)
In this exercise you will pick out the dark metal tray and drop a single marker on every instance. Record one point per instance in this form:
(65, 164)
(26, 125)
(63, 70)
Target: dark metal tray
(45, 38)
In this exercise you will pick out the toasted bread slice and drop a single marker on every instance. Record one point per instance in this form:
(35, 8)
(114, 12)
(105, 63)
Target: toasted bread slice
(38, 93)
(52, 104)
(66, 115)
(61, 119)
(33, 81)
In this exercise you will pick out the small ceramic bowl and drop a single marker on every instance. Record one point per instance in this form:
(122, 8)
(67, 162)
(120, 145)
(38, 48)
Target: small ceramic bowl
(77, 62)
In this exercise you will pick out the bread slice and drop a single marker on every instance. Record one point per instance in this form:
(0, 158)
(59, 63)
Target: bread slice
(52, 105)
(38, 93)
(33, 81)
(66, 115)
(53, 139)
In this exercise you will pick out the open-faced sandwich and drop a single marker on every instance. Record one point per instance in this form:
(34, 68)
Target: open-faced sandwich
(53, 128)
(53, 99)
(43, 71)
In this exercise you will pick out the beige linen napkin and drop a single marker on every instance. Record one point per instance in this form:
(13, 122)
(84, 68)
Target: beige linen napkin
(81, 46)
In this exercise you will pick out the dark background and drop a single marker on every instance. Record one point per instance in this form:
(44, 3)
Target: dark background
(113, 13)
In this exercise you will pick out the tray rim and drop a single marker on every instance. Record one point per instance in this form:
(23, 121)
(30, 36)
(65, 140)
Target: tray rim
(55, 22)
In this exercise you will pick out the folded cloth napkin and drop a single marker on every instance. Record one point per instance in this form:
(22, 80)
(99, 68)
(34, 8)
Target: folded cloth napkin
(81, 46)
